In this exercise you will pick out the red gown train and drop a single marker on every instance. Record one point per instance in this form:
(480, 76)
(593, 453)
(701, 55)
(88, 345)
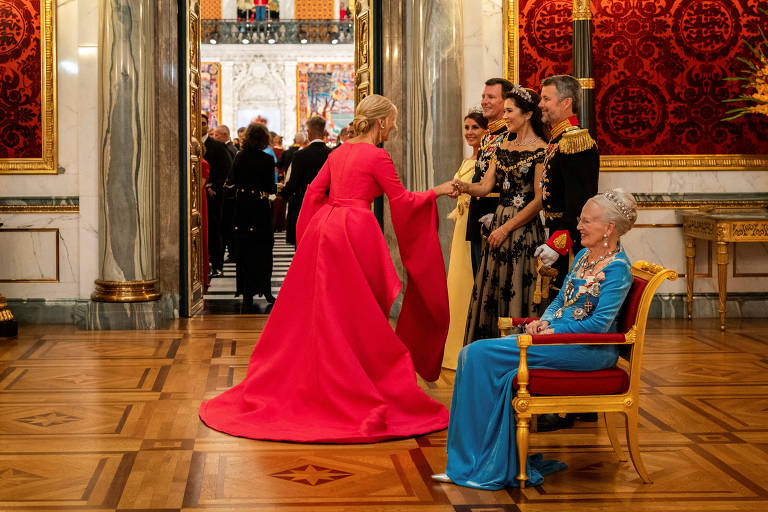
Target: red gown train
(328, 367)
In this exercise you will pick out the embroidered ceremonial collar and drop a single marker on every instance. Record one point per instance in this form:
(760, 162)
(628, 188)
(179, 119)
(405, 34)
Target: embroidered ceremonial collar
(496, 126)
(562, 126)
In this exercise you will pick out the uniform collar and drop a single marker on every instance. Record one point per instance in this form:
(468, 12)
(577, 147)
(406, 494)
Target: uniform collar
(496, 126)
(563, 126)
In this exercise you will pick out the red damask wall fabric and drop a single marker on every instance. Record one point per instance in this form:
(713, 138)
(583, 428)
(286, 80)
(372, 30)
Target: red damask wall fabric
(21, 130)
(659, 67)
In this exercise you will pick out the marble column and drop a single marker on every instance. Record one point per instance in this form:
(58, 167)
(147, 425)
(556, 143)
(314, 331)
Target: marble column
(434, 97)
(582, 62)
(127, 103)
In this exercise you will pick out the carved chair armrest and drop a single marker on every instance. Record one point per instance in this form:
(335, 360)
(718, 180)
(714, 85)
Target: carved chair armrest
(526, 340)
(507, 323)
(578, 338)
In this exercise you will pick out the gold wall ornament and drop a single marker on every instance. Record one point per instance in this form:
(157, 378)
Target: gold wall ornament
(40, 208)
(581, 10)
(587, 83)
(125, 291)
(683, 163)
(512, 41)
(625, 163)
(49, 162)
(193, 279)
(363, 49)
(5, 313)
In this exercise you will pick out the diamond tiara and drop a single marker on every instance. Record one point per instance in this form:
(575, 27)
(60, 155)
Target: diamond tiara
(522, 92)
(623, 208)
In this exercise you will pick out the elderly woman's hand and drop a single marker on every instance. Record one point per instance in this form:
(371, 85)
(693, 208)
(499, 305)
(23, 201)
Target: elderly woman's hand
(538, 327)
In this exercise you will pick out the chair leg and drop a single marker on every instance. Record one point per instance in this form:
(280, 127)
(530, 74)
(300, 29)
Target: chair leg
(522, 447)
(610, 426)
(634, 446)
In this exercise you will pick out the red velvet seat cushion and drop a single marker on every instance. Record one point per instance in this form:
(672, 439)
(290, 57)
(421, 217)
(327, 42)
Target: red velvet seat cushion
(611, 381)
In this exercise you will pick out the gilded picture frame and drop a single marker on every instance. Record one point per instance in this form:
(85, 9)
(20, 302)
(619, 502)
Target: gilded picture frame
(48, 162)
(628, 163)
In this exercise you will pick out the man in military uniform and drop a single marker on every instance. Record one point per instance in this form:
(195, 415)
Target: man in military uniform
(492, 104)
(571, 169)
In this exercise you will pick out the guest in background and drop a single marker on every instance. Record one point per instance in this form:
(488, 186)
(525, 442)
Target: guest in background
(344, 135)
(252, 177)
(276, 142)
(221, 134)
(243, 7)
(460, 277)
(506, 279)
(287, 157)
(220, 160)
(305, 166)
(205, 174)
(274, 10)
(260, 14)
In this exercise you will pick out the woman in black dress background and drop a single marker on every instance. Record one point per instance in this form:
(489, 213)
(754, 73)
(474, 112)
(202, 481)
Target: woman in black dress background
(253, 176)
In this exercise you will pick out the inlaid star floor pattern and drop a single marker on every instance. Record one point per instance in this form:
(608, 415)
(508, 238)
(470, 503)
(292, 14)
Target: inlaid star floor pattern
(107, 421)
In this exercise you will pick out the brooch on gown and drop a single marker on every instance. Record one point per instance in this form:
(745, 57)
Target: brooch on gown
(590, 288)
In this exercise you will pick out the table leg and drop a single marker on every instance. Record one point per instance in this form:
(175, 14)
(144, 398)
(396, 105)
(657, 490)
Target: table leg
(690, 264)
(722, 278)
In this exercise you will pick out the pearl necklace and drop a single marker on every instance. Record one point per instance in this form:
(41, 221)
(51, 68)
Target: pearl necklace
(587, 266)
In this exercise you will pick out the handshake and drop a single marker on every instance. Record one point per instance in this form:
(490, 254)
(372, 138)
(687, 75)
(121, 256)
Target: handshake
(453, 188)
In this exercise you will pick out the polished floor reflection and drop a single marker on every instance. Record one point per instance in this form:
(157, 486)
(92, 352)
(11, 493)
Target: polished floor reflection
(108, 421)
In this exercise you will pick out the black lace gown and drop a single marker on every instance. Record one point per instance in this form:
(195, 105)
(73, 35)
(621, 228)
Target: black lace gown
(506, 279)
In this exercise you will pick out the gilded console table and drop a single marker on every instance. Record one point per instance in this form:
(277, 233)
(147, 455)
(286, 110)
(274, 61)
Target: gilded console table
(721, 226)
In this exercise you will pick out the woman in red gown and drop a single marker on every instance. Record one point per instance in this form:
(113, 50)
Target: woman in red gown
(328, 367)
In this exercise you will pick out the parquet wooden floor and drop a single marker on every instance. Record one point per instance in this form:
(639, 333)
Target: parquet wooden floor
(93, 421)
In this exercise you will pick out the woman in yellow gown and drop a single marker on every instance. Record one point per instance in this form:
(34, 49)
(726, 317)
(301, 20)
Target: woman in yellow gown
(460, 278)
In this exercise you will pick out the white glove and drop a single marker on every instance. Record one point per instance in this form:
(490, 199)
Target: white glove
(547, 254)
(487, 220)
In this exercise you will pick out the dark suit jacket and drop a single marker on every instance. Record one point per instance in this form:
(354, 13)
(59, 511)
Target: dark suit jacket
(220, 159)
(287, 157)
(305, 166)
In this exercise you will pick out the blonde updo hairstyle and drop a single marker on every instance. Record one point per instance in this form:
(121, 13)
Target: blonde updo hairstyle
(371, 109)
(618, 207)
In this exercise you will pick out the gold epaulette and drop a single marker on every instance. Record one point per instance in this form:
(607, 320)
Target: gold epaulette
(576, 141)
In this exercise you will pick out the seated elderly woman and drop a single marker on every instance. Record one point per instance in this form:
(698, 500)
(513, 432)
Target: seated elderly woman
(481, 434)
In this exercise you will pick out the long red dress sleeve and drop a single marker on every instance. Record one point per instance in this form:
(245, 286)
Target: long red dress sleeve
(328, 366)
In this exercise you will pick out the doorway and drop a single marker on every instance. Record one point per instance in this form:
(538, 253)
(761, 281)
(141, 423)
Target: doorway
(260, 63)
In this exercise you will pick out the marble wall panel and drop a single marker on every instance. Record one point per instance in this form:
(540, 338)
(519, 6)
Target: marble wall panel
(33, 254)
(483, 50)
(34, 257)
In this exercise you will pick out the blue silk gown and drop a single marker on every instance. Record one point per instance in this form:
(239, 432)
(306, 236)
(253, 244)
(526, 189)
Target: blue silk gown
(482, 451)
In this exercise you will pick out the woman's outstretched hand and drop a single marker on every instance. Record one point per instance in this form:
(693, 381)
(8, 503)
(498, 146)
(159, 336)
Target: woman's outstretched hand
(446, 189)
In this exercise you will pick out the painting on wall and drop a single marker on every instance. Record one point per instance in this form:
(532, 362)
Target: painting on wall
(210, 92)
(28, 133)
(328, 90)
